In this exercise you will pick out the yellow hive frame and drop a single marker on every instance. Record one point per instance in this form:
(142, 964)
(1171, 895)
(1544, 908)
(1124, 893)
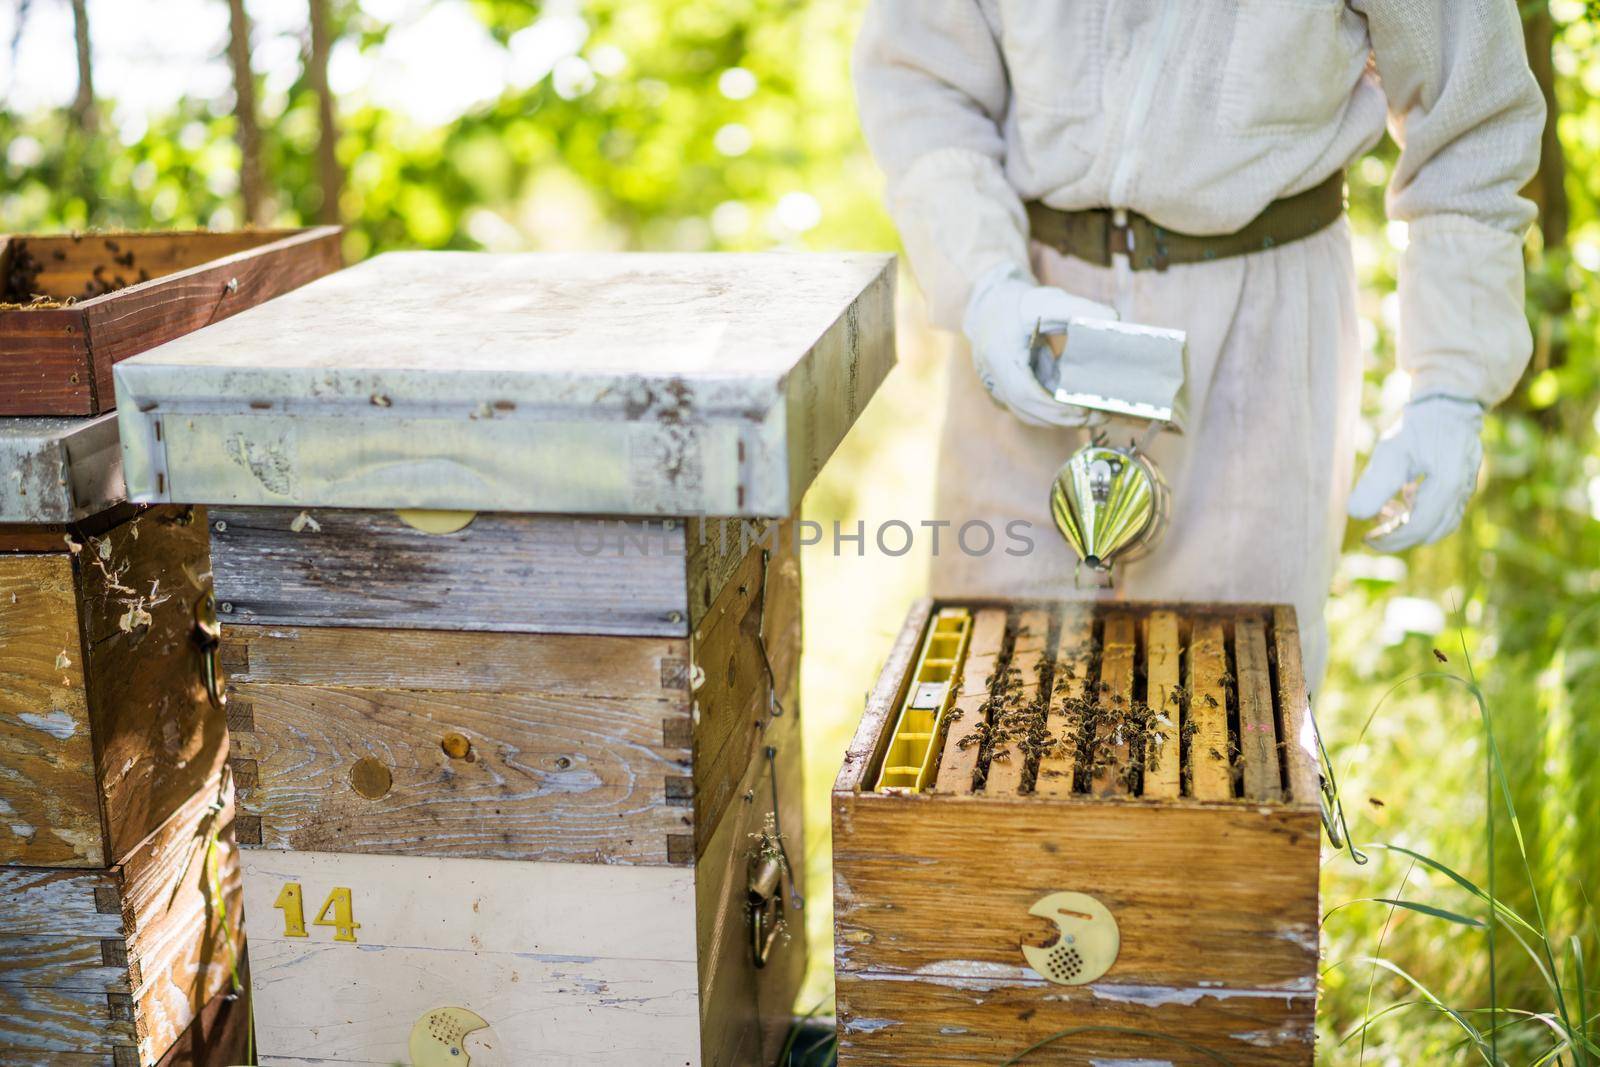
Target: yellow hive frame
(908, 761)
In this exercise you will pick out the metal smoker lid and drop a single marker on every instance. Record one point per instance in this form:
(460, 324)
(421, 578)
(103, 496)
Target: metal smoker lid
(643, 384)
(59, 470)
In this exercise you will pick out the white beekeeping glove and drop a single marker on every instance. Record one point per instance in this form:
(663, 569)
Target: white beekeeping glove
(1436, 440)
(1001, 315)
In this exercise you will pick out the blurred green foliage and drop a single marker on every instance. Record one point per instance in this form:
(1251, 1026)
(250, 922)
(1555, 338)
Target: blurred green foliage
(729, 124)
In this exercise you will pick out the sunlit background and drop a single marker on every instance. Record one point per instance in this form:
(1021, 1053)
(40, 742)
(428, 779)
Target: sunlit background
(729, 124)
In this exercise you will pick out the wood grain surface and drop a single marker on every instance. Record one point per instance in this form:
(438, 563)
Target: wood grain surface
(754, 623)
(119, 962)
(219, 1036)
(537, 776)
(1008, 764)
(44, 363)
(895, 1020)
(38, 1025)
(745, 1010)
(508, 573)
(49, 804)
(58, 362)
(184, 937)
(1117, 654)
(1258, 731)
(569, 666)
(54, 934)
(1163, 762)
(1297, 734)
(1260, 931)
(1074, 658)
(158, 739)
(568, 963)
(1209, 748)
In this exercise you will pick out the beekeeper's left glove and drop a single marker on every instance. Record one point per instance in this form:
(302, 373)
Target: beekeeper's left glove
(1435, 440)
(1002, 312)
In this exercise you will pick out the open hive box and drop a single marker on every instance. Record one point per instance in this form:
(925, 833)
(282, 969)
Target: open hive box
(72, 305)
(1093, 820)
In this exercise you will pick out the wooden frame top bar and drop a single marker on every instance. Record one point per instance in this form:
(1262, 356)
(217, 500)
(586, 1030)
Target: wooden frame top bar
(1162, 682)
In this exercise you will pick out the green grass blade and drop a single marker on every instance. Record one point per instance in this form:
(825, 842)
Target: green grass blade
(1460, 1020)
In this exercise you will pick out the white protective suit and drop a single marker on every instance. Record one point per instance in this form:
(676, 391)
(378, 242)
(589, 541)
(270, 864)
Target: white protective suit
(1198, 114)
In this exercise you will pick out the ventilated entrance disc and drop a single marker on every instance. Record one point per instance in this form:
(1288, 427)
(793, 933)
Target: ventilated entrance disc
(454, 1037)
(1088, 944)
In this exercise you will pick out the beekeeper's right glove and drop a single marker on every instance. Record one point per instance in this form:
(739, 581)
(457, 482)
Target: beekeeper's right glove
(1002, 312)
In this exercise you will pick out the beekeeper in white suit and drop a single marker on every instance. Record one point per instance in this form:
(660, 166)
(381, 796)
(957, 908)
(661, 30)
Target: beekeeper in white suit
(1180, 163)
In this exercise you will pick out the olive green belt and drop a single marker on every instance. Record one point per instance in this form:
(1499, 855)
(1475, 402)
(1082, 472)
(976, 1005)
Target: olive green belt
(1094, 235)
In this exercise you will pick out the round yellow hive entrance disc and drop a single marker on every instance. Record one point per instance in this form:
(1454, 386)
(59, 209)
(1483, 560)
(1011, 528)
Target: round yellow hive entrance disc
(1088, 943)
(454, 1037)
(431, 521)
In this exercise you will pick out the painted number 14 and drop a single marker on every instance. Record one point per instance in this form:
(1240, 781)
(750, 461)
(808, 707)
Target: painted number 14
(336, 912)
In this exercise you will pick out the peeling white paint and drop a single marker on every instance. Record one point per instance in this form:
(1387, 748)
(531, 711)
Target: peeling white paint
(1266, 1038)
(83, 842)
(842, 893)
(1165, 996)
(23, 830)
(868, 1026)
(1302, 934)
(954, 1030)
(974, 969)
(58, 724)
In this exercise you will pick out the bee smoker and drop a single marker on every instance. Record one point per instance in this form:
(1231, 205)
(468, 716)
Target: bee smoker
(1111, 502)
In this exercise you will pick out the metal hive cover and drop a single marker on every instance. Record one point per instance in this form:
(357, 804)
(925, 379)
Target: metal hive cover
(618, 383)
(58, 470)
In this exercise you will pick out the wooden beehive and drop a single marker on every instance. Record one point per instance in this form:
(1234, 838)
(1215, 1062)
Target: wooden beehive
(116, 965)
(119, 882)
(1152, 757)
(512, 774)
(72, 305)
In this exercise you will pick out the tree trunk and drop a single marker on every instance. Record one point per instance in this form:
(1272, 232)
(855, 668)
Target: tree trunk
(246, 129)
(1548, 188)
(332, 178)
(83, 103)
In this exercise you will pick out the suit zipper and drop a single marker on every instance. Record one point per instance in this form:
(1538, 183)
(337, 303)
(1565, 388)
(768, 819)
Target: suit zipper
(1139, 108)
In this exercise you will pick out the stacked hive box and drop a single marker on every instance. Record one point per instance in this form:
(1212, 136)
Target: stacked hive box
(73, 305)
(119, 894)
(119, 881)
(519, 772)
(1114, 820)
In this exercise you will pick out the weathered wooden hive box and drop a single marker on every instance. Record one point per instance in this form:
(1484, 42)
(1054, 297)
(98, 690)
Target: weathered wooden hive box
(119, 881)
(72, 305)
(1096, 822)
(516, 732)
